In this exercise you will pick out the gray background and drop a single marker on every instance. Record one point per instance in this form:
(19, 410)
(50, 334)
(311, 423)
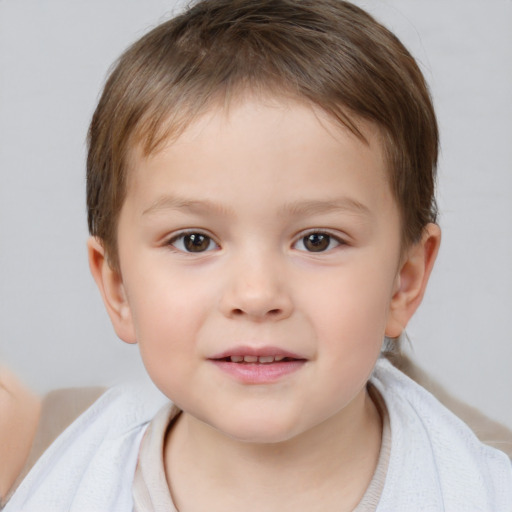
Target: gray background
(54, 55)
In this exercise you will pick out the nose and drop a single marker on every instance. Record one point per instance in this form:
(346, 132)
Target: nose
(256, 289)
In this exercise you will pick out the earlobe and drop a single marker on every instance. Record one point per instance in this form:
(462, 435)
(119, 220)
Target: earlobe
(111, 287)
(412, 279)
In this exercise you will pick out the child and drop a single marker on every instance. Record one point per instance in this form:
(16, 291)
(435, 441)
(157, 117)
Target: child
(261, 204)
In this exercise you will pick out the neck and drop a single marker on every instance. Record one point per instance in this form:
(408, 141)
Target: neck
(323, 468)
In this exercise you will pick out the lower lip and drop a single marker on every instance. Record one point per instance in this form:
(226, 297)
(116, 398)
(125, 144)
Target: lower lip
(259, 373)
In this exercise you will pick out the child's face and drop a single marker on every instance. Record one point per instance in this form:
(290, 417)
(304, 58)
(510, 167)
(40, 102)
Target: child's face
(266, 230)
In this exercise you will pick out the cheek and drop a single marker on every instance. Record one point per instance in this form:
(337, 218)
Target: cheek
(351, 304)
(166, 302)
(349, 314)
(167, 315)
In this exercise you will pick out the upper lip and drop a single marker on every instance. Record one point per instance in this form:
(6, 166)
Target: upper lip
(256, 351)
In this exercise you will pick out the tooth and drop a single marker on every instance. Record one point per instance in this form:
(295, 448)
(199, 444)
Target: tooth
(278, 358)
(266, 359)
(251, 359)
(237, 359)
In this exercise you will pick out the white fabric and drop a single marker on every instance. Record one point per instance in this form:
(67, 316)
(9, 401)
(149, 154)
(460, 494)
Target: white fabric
(436, 463)
(90, 467)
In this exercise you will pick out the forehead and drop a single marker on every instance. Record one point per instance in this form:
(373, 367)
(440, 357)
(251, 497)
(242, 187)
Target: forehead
(159, 127)
(235, 119)
(260, 159)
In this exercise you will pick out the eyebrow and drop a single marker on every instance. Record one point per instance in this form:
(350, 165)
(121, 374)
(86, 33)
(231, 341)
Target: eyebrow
(190, 205)
(300, 207)
(312, 207)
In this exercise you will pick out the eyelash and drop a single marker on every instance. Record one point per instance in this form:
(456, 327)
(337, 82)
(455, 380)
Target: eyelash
(323, 236)
(181, 237)
(178, 242)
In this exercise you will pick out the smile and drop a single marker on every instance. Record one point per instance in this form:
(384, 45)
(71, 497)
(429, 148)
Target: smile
(258, 359)
(258, 366)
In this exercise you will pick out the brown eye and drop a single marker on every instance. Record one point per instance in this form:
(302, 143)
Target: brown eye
(196, 242)
(193, 242)
(316, 242)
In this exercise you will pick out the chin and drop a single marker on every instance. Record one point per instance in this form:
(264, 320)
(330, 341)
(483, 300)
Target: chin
(260, 431)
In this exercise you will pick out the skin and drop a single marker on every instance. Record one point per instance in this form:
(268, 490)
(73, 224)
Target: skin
(19, 416)
(256, 181)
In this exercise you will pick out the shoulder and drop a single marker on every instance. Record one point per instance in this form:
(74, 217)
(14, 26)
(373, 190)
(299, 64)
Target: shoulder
(490, 432)
(96, 452)
(436, 460)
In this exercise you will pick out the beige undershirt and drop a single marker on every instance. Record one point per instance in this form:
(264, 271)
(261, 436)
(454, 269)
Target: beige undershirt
(151, 492)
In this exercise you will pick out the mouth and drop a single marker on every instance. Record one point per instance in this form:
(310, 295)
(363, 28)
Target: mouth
(258, 365)
(257, 355)
(258, 359)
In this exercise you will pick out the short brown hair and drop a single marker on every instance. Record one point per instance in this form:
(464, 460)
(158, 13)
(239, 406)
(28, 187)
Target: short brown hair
(328, 52)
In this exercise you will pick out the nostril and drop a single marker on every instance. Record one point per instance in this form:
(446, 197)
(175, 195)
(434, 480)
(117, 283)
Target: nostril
(270, 313)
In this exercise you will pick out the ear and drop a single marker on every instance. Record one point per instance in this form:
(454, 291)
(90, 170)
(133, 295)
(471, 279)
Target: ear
(110, 284)
(412, 280)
